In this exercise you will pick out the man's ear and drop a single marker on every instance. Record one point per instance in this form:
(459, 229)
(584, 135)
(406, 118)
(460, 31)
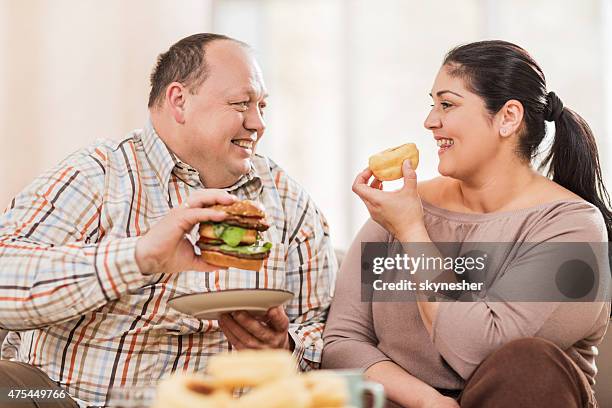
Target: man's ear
(175, 98)
(510, 117)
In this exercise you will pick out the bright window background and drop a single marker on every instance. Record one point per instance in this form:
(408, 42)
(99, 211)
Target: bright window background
(347, 78)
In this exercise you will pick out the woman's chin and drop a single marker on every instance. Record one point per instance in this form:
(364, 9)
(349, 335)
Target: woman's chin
(444, 170)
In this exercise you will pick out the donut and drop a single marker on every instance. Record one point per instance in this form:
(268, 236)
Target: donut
(283, 393)
(269, 376)
(191, 390)
(250, 368)
(327, 389)
(387, 165)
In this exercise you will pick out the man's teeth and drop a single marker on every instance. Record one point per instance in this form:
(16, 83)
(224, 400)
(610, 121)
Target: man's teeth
(445, 142)
(247, 144)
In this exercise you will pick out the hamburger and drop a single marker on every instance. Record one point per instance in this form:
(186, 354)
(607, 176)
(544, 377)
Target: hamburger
(236, 241)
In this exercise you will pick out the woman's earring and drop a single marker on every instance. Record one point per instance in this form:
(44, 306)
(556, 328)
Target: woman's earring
(503, 132)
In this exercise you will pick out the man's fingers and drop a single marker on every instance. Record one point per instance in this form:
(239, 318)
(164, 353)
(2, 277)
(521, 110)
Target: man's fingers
(239, 332)
(187, 218)
(277, 319)
(253, 326)
(200, 265)
(193, 216)
(208, 197)
(231, 337)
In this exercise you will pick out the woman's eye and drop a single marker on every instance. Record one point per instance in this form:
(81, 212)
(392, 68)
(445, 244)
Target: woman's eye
(444, 105)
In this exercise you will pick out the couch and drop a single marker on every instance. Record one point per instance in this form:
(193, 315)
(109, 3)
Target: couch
(603, 387)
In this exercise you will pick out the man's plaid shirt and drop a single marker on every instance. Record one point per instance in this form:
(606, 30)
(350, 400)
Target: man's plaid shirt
(79, 308)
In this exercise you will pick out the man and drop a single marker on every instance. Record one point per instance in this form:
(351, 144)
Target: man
(91, 251)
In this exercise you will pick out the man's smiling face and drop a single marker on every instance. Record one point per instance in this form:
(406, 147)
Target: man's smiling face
(223, 119)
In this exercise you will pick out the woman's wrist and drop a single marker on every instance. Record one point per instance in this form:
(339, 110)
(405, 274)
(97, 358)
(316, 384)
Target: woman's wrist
(400, 386)
(426, 397)
(413, 233)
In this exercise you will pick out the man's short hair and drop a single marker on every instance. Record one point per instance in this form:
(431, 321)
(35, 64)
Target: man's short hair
(185, 63)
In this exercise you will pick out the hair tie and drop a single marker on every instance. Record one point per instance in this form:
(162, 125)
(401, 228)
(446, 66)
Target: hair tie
(554, 107)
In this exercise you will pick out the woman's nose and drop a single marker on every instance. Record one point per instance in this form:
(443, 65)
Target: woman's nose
(432, 121)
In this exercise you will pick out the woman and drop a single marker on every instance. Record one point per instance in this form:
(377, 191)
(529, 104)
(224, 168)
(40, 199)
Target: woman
(489, 110)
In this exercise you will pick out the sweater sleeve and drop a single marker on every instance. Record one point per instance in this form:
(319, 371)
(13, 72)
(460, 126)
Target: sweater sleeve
(466, 333)
(350, 337)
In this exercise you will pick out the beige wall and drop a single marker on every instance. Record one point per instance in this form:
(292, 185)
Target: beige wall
(346, 77)
(351, 77)
(73, 71)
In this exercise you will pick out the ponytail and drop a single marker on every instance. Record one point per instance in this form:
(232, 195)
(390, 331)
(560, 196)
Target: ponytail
(498, 71)
(573, 158)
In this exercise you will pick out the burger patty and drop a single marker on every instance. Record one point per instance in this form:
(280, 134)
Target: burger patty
(259, 224)
(206, 240)
(214, 248)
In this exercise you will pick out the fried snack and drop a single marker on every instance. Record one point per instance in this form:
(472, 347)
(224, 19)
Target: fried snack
(327, 389)
(387, 165)
(187, 391)
(283, 393)
(271, 379)
(250, 368)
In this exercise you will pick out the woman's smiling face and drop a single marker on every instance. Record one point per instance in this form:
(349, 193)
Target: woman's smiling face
(462, 127)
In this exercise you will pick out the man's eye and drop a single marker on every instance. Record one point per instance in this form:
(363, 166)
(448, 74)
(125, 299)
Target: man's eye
(242, 106)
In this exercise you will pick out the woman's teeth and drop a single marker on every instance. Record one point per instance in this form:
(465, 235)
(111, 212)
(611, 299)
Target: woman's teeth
(445, 142)
(247, 144)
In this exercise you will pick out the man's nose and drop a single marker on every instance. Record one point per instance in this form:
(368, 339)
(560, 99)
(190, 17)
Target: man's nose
(254, 122)
(432, 121)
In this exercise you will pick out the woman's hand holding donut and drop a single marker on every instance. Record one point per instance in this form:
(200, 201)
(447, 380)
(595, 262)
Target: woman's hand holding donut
(400, 212)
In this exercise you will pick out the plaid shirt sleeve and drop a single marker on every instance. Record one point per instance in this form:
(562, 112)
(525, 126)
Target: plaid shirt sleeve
(311, 273)
(53, 267)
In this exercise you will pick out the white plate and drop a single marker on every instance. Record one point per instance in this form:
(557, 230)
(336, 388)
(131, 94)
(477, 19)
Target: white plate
(210, 305)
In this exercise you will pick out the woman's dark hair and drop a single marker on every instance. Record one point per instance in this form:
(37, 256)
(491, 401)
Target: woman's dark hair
(499, 71)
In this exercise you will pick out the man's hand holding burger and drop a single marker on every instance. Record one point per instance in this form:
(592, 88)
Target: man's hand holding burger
(165, 248)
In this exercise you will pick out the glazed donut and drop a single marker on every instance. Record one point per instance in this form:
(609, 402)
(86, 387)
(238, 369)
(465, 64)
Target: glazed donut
(250, 368)
(327, 389)
(284, 393)
(387, 165)
(191, 390)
